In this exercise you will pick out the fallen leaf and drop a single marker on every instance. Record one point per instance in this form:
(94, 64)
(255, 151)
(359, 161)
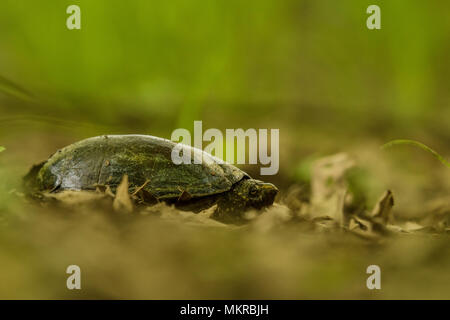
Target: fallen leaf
(412, 226)
(329, 186)
(76, 199)
(145, 197)
(363, 228)
(105, 189)
(382, 212)
(122, 201)
(201, 219)
(185, 196)
(438, 213)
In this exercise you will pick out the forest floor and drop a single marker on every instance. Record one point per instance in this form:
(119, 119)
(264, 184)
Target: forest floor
(317, 241)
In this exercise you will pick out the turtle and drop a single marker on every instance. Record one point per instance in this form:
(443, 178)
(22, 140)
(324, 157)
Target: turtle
(147, 161)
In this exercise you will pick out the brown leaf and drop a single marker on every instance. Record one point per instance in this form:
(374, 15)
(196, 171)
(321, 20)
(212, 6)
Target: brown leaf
(438, 213)
(382, 211)
(122, 202)
(185, 196)
(146, 197)
(363, 228)
(105, 189)
(76, 199)
(109, 192)
(329, 186)
(170, 213)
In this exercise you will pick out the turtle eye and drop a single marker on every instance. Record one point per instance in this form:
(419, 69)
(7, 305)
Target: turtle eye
(253, 191)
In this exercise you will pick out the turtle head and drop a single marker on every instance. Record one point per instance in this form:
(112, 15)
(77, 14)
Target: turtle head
(255, 193)
(246, 194)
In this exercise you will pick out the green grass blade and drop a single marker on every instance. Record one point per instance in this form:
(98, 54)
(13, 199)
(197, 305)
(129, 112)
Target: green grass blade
(416, 144)
(2, 149)
(10, 88)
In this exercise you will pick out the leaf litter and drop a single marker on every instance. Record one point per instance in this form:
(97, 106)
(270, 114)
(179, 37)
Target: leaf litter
(157, 251)
(323, 211)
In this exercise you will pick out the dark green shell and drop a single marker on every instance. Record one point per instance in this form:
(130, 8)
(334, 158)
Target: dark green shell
(105, 160)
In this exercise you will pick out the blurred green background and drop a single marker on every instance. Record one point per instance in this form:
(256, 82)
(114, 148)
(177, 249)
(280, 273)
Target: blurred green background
(137, 62)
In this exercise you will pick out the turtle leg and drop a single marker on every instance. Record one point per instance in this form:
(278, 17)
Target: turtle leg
(229, 210)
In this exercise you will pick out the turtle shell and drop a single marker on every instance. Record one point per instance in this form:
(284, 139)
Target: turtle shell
(104, 160)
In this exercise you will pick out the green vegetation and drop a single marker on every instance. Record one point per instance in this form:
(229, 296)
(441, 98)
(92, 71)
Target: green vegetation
(417, 144)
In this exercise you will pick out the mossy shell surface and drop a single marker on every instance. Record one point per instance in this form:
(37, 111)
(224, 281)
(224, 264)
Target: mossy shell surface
(104, 160)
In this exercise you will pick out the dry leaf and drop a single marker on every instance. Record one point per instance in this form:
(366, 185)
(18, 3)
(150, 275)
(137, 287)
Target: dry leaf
(412, 226)
(109, 192)
(438, 214)
(186, 217)
(76, 199)
(122, 202)
(329, 187)
(145, 197)
(105, 189)
(363, 228)
(185, 196)
(382, 212)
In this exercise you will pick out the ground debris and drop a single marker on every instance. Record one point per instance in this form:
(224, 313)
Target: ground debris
(122, 201)
(75, 200)
(170, 213)
(383, 209)
(329, 186)
(319, 210)
(275, 216)
(438, 214)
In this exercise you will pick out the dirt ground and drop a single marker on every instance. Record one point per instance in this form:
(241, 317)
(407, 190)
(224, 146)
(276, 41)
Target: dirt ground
(288, 251)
